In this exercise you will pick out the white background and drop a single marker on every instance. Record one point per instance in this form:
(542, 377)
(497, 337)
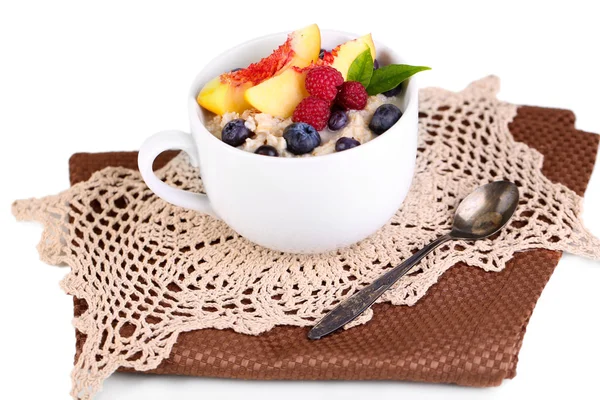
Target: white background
(82, 76)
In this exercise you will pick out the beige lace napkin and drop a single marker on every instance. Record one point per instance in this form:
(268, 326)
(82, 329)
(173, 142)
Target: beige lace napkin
(147, 267)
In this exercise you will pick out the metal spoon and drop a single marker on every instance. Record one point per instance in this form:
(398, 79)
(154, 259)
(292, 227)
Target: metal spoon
(481, 214)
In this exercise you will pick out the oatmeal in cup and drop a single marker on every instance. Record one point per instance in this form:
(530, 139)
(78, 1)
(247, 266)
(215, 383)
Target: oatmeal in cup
(306, 150)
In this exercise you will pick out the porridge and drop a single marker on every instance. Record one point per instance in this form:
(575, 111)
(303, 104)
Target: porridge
(268, 130)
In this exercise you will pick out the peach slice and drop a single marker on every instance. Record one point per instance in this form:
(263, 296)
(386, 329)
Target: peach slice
(342, 56)
(279, 95)
(223, 97)
(226, 93)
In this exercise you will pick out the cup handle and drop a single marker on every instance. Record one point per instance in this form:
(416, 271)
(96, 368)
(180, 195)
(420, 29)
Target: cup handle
(171, 140)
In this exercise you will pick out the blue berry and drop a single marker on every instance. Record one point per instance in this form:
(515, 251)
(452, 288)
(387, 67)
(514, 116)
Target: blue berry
(384, 118)
(236, 69)
(345, 143)
(235, 133)
(393, 92)
(337, 120)
(301, 138)
(267, 150)
(322, 54)
(375, 64)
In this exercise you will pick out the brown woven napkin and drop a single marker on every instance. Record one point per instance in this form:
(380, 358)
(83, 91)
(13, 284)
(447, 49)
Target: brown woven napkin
(467, 330)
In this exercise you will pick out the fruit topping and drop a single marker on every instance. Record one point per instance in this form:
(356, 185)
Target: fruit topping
(315, 88)
(235, 132)
(352, 96)
(313, 111)
(384, 118)
(267, 150)
(301, 138)
(345, 143)
(323, 82)
(227, 92)
(337, 120)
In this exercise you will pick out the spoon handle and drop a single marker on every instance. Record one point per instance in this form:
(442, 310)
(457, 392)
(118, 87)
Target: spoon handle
(356, 304)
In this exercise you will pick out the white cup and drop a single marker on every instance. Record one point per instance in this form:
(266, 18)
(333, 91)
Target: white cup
(299, 205)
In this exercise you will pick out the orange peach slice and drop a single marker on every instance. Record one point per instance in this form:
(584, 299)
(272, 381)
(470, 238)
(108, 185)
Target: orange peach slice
(223, 97)
(279, 95)
(226, 93)
(342, 56)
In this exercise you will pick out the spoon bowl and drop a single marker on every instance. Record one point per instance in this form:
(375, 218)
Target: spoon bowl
(485, 210)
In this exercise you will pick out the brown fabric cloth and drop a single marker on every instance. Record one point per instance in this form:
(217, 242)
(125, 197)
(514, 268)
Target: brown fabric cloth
(467, 330)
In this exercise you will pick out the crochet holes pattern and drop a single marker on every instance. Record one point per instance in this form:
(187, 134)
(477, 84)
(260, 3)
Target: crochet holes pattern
(148, 270)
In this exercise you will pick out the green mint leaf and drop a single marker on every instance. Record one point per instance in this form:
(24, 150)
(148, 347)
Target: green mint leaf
(361, 68)
(388, 77)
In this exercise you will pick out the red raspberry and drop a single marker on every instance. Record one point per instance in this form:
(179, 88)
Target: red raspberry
(352, 96)
(323, 81)
(313, 111)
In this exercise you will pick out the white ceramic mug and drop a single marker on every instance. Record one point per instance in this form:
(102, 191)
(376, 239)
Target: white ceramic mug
(299, 205)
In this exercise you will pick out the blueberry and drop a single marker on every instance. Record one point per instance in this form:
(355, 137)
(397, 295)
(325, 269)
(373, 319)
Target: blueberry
(235, 133)
(267, 150)
(384, 118)
(236, 69)
(322, 54)
(375, 64)
(345, 143)
(337, 120)
(301, 138)
(394, 92)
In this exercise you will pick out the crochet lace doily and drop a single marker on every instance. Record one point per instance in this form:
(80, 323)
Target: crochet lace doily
(141, 263)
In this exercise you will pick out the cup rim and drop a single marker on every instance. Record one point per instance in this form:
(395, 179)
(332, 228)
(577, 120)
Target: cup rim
(195, 109)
